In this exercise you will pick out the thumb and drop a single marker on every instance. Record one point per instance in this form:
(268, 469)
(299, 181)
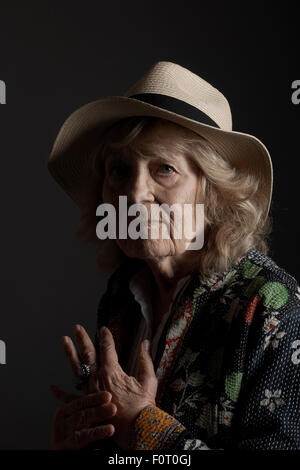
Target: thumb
(146, 367)
(145, 346)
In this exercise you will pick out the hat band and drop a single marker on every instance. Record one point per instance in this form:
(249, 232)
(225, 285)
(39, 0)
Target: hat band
(175, 106)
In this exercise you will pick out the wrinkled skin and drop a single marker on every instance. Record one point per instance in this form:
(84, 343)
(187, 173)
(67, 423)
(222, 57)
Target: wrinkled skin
(76, 424)
(113, 399)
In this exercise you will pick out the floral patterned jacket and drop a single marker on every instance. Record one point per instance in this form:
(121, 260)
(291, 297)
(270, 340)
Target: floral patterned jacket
(227, 363)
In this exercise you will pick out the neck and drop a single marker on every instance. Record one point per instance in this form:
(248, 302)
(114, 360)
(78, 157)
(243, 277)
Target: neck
(168, 270)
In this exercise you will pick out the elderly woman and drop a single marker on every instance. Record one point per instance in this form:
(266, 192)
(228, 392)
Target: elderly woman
(195, 348)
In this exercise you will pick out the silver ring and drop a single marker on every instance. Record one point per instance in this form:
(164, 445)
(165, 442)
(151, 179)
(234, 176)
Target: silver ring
(84, 370)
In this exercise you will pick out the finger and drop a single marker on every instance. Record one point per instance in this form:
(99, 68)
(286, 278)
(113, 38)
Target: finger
(71, 354)
(146, 367)
(86, 347)
(88, 355)
(109, 356)
(86, 401)
(62, 395)
(83, 438)
(90, 416)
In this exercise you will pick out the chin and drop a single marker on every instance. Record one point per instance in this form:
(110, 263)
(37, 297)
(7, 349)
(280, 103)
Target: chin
(146, 248)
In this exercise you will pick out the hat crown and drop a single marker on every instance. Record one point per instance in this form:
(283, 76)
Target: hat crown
(170, 79)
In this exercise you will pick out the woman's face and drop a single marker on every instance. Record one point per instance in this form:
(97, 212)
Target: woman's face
(150, 180)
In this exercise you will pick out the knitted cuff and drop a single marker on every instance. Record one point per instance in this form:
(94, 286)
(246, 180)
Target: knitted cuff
(155, 429)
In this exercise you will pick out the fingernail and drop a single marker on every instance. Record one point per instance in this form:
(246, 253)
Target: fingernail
(103, 331)
(108, 431)
(65, 339)
(146, 345)
(78, 328)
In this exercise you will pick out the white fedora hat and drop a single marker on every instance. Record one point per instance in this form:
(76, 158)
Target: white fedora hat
(169, 91)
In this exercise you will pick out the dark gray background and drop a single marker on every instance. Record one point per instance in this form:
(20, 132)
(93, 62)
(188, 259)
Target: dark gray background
(57, 56)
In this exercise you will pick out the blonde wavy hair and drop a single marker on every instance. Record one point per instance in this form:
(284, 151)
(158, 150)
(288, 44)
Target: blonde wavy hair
(233, 206)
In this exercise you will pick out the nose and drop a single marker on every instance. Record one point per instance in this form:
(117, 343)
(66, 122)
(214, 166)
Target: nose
(140, 187)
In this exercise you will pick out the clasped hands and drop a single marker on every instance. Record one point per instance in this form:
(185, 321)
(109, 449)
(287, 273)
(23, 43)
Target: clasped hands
(112, 399)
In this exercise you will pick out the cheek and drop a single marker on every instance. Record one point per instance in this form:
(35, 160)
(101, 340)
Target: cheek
(192, 191)
(183, 194)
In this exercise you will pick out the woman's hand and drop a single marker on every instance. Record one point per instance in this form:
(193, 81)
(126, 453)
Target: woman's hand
(128, 394)
(71, 429)
(75, 424)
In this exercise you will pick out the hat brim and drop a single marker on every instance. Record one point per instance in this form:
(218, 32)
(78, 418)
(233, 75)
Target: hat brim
(68, 161)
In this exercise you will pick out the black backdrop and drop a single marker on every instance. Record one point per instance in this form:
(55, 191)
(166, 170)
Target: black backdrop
(56, 56)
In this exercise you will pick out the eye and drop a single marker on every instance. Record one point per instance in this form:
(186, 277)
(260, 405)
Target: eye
(166, 169)
(118, 170)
